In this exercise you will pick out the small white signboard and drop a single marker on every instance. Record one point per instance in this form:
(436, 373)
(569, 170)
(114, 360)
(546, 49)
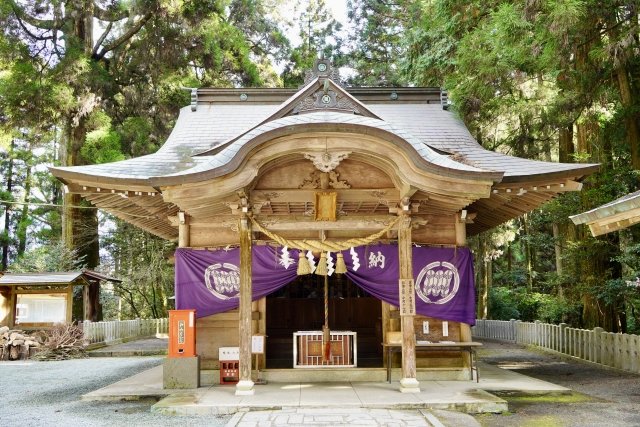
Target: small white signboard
(229, 353)
(445, 329)
(257, 344)
(407, 297)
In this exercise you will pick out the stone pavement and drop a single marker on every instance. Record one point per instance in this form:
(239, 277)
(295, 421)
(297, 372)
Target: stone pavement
(467, 396)
(352, 417)
(143, 347)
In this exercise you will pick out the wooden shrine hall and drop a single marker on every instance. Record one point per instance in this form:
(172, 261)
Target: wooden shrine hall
(360, 185)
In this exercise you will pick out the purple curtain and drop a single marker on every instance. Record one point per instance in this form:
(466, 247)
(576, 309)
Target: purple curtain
(444, 279)
(209, 280)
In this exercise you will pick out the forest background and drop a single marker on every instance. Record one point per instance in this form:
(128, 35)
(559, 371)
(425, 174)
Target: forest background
(95, 81)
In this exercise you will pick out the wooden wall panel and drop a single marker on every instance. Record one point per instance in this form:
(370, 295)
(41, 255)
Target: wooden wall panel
(213, 332)
(209, 236)
(290, 175)
(5, 301)
(434, 359)
(361, 175)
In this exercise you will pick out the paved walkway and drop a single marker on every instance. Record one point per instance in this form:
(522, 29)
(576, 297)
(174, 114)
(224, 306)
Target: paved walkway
(467, 396)
(144, 347)
(601, 397)
(354, 417)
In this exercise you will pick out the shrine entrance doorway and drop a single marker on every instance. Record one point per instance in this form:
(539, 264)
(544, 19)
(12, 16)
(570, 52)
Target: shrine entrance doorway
(299, 306)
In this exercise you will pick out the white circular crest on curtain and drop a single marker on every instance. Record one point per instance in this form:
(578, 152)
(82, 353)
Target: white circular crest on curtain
(435, 286)
(226, 280)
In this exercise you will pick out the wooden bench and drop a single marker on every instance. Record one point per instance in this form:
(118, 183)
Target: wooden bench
(437, 346)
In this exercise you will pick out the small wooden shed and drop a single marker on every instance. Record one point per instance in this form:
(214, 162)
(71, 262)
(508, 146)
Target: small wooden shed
(613, 216)
(39, 300)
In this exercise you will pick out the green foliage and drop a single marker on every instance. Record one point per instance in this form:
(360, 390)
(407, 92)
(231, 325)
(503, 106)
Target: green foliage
(501, 305)
(138, 257)
(46, 259)
(102, 145)
(518, 303)
(318, 32)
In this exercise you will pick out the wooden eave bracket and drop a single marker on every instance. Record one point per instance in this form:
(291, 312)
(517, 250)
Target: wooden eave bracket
(518, 190)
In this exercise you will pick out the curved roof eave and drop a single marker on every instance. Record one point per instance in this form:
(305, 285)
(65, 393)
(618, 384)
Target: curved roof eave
(229, 159)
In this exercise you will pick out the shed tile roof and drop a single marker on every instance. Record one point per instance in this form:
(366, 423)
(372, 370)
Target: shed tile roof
(623, 204)
(16, 279)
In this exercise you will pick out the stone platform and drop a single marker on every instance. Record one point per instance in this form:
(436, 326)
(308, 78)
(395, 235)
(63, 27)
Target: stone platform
(466, 396)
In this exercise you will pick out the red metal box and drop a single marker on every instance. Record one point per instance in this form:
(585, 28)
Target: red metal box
(182, 333)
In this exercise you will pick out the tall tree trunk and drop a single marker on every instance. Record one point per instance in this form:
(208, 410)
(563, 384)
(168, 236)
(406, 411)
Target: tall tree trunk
(24, 214)
(7, 209)
(557, 238)
(527, 252)
(566, 149)
(80, 226)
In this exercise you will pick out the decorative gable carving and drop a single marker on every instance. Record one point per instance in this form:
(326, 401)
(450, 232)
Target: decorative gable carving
(314, 182)
(326, 100)
(327, 161)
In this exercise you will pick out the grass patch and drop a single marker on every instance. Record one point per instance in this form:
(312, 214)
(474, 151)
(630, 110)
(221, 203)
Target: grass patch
(544, 421)
(571, 397)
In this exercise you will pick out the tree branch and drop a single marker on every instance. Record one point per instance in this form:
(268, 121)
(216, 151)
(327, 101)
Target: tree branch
(101, 39)
(109, 15)
(126, 36)
(38, 23)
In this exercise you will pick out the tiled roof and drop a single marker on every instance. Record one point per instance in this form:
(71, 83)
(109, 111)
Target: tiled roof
(213, 124)
(443, 130)
(222, 158)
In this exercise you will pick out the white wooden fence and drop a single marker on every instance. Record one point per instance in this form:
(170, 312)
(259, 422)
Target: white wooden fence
(124, 330)
(621, 351)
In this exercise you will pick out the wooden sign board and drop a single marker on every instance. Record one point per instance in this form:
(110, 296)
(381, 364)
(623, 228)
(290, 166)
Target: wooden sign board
(407, 297)
(229, 353)
(257, 344)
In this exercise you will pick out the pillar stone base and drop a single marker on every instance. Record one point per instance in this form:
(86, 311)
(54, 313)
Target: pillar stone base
(245, 388)
(409, 385)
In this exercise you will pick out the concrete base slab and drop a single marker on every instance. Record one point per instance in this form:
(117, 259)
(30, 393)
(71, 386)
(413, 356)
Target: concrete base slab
(181, 372)
(465, 396)
(321, 375)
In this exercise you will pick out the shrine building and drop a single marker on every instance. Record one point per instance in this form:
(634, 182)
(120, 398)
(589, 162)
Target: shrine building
(332, 220)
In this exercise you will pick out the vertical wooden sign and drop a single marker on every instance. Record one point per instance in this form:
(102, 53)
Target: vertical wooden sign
(407, 298)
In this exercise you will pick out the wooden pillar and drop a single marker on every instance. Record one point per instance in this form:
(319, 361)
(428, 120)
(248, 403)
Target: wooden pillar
(184, 231)
(245, 385)
(262, 329)
(69, 315)
(408, 383)
(385, 329)
(12, 307)
(85, 302)
(461, 230)
(465, 329)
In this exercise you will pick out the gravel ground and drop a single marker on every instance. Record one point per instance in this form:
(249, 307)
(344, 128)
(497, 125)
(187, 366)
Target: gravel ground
(604, 397)
(47, 394)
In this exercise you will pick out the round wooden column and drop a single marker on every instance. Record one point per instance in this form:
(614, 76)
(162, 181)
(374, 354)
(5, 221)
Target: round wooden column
(461, 240)
(245, 385)
(408, 383)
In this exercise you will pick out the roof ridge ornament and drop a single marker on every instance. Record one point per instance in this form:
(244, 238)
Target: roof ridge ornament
(322, 69)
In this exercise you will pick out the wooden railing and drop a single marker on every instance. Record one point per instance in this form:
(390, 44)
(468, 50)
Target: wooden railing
(117, 331)
(621, 351)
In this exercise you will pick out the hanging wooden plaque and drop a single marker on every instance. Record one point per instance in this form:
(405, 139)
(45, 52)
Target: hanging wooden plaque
(325, 206)
(407, 298)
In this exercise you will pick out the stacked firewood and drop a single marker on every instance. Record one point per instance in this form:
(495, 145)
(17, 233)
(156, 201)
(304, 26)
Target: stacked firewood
(64, 341)
(16, 344)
